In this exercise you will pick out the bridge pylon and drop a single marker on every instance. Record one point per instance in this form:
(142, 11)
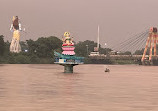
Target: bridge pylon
(151, 43)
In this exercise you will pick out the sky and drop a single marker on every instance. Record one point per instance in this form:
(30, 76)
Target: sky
(118, 19)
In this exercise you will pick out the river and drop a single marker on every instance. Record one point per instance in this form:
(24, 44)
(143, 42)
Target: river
(47, 88)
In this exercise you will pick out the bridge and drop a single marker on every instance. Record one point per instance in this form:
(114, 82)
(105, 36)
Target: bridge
(146, 41)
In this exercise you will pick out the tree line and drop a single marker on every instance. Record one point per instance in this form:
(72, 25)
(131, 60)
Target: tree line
(41, 51)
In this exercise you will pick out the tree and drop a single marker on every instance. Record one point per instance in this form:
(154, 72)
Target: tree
(139, 52)
(2, 45)
(23, 45)
(84, 48)
(22, 59)
(125, 53)
(104, 50)
(31, 46)
(44, 46)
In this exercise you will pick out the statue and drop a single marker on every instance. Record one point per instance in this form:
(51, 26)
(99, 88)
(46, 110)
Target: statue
(68, 58)
(15, 28)
(67, 41)
(68, 45)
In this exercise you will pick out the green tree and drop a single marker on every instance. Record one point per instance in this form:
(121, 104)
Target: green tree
(139, 52)
(45, 46)
(22, 59)
(23, 45)
(2, 45)
(85, 47)
(31, 46)
(104, 50)
(125, 53)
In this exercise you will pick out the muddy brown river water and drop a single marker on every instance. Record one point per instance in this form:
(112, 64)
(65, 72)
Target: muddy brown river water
(46, 88)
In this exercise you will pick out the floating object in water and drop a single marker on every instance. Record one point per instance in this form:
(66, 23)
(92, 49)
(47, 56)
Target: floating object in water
(106, 69)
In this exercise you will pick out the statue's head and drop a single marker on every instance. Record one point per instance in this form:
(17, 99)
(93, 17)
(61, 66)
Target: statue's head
(67, 34)
(15, 22)
(153, 30)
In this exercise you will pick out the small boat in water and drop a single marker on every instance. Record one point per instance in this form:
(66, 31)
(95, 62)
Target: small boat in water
(106, 69)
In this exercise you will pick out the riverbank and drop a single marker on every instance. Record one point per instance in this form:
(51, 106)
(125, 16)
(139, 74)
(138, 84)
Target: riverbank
(109, 61)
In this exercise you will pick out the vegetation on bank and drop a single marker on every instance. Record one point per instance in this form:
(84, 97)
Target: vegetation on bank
(122, 62)
(40, 51)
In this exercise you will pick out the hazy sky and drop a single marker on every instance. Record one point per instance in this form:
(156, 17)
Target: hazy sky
(118, 19)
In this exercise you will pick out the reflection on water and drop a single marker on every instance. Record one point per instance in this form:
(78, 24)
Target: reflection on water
(47, 88)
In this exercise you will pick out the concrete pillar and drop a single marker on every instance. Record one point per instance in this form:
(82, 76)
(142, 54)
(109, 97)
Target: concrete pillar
(68, 68)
